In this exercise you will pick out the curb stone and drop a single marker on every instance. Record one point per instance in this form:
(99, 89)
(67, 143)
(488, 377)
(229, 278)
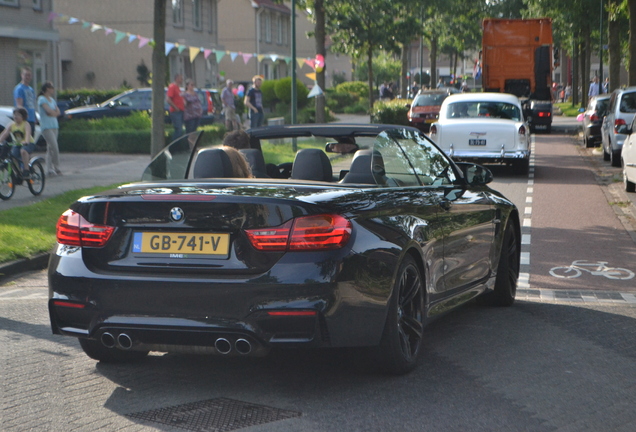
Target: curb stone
(37, 262)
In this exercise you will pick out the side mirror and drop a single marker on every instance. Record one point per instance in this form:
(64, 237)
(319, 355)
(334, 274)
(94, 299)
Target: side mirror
(475, 175)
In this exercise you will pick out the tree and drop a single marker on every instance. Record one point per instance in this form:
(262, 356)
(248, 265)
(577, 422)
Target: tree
(158, 137)
(360, 27)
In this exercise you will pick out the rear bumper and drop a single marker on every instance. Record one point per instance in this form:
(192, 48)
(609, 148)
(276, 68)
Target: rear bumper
(309, 306)
(488, 156)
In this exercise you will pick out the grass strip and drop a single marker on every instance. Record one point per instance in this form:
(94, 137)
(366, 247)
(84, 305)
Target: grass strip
(29, 230)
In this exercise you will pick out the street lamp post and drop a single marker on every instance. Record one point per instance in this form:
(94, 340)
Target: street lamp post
(600, 51)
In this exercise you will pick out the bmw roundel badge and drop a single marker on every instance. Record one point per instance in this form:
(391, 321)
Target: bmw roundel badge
(177, 214)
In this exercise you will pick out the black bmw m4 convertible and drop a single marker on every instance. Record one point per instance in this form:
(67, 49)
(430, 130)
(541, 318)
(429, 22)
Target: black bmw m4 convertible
(366, 235)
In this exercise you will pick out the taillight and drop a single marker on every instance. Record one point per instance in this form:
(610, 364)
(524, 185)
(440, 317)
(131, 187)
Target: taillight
(522, 130)
(593, 117)
(433, 131)
(306, 233)
(544, 114)
(73, 230)
(617, 123)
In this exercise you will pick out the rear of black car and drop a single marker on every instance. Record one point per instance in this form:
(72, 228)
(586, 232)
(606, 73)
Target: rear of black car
(231, 270)
(540, 116)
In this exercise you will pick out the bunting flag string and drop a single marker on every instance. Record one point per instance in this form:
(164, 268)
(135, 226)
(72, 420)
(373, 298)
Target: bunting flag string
(192, 51)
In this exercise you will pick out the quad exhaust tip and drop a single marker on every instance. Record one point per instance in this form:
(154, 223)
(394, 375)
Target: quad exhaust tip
(108, 340)
(243, 346)
(124, 341)
(223, 346)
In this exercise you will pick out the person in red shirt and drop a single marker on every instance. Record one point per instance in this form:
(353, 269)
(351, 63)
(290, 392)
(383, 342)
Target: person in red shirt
(177, 105)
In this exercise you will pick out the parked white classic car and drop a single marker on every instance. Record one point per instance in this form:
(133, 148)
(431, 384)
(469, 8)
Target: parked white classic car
(484, 128)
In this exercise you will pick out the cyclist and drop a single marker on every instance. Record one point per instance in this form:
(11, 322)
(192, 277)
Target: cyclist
(21, 138)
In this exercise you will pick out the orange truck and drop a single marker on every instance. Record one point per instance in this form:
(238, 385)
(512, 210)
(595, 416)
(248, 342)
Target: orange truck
(516, 58)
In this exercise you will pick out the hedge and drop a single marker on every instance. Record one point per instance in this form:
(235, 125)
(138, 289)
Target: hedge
(391, 112)
(123, 141)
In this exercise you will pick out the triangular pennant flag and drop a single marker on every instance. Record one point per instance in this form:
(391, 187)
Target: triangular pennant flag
(219, 55)
(233, 55)
(260, 57)
(300, 61)
(169, 46)
(246, 57)
(180, 48)
(288, 60)
(194, 52)
(206, 53)
(108, 30)
(274, 57)
(85, 24)
(119, 35)
(131, 37)
(95, 27)
(311, 76)
(143, 41)
(316, 91)
(72, 20)
(52, 16)
(311, 63)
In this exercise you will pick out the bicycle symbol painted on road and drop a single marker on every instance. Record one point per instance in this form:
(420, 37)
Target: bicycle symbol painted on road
(599, 268)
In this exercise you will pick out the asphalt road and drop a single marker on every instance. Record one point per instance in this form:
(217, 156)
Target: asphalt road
(563, 358)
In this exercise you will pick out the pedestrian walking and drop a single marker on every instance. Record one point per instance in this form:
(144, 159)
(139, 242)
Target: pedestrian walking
(594, 87)
(177, 105)
(254, 101)
(24, 96)
(49, 112)
(229, 107)
(192, 107)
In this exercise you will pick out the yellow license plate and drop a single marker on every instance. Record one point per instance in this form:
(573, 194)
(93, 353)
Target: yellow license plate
(181, 244)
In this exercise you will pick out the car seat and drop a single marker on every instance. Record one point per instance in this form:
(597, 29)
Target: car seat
(312, 164)
(212, 163)
(360, 170)
(256, 162)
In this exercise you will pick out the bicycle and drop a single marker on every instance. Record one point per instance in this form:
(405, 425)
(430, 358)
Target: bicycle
(599, 268)
(11, 174)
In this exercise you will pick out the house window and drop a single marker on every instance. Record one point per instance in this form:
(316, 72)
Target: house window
(268, 28)
(279, 30)
(213, 15)
(285, 31)
(10, 2)
(196, 15)
(37, 5)
(177, 13)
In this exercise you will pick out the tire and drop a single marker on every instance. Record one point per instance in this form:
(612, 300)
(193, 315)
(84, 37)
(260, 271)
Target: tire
(615, 158)
(37, 180)
(95, 350)
(521, 166)
(402, 337)
(548, 129)
(629, 186)
(7, 185)
(507, 272)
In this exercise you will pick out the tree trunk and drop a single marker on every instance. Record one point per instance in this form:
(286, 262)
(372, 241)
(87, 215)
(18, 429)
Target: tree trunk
(575, 74)
(371, 89)
(158, 135)
(433, 60)
(632, 43)
(614, 47)
(320, 49)
(404, 82)
(587, 66)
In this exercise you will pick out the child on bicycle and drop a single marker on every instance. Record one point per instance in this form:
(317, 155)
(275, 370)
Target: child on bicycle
(20, 136)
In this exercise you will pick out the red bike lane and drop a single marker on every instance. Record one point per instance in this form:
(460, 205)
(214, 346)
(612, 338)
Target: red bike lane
(577, 240)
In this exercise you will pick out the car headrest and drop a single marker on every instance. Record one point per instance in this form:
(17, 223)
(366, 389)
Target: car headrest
(256, 162)
(360, 170)
(212, 163)
(312, 164)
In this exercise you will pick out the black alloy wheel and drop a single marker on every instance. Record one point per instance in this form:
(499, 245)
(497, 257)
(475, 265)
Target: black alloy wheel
(404, 327)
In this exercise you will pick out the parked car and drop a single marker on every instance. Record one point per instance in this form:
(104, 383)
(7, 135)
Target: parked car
(484, 128)
(628, 155)
(141, 100)
(361, 252)
(593, 119)
(539, 115)
(6, 117)
(621, 110)
(424, 110)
